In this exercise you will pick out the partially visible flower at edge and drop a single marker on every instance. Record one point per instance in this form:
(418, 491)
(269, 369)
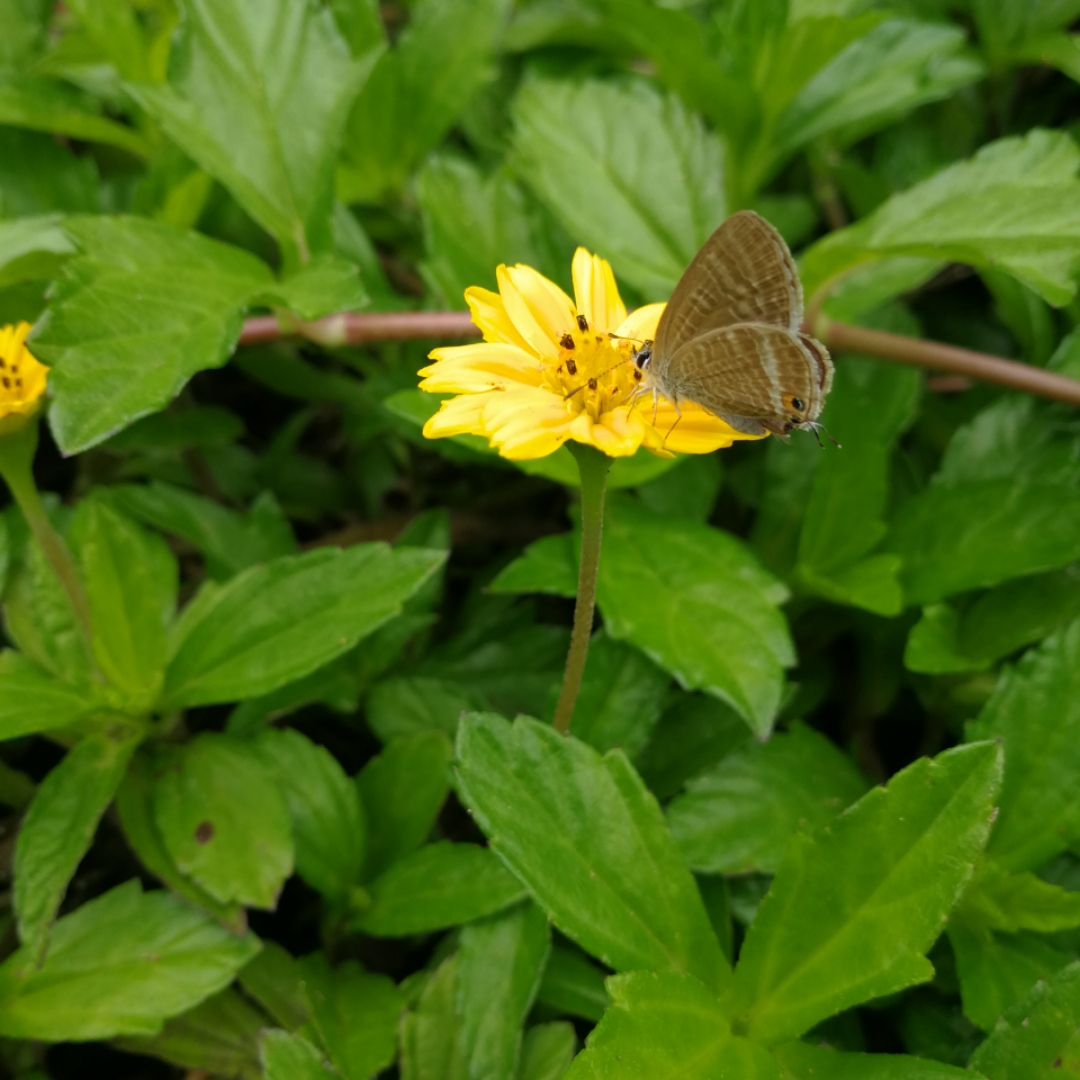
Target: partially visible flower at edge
(22, 377)
(550, 369)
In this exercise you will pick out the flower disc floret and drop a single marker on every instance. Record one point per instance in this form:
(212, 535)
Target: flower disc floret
(552, 369)
(22, 375)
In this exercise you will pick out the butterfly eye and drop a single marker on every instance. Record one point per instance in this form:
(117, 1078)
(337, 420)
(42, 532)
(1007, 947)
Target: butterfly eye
(797, 404)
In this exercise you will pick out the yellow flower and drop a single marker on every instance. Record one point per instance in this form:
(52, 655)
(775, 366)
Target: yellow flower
(22, 376)
(550, 369)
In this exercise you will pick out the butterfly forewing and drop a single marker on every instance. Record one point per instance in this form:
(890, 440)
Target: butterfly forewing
(744, 273)
(750, 374)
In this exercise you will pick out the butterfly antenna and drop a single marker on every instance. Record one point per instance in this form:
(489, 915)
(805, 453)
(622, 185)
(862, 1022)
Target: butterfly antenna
(816, 429)
(591, 383)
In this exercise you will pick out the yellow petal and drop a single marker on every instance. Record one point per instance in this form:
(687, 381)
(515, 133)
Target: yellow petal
(596, 293)
(540, 310)
(489, 314)
(640, 325)
(464, 369)
(458, 416)
(695, 432)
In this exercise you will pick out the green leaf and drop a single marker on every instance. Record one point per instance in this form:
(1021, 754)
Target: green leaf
(894, 68)
(701, 607)
(275, 623)
(663, 1026)
(573, 984)
(853, 909)
(121, 964)
(996, 970)
(328, 824)
(58, 829)
(45, 104)
(1015, 206)
(547, 1051)
(801, 1061)
(416, 92)
(741, 814)
(437, 886)
(134, 807)
(32, 700)
(635, 177)
(355, 1015)
(24, 24)
(113, 28)
(430, 1037)
(621, 697)
(276, 980)
(323, 286)
(229, 541)
(1003, 504)
(547, 565)
(870, 405)
(473, 222)
(1029, 1039)
(259, 94)
(589, 842)
(1000, 900)
(409, 705)
(138, 289)
(1035, 714)
(220, 1036)
(131, 580)
(32, 248)
(224, 820)
(402, 790)
(500, 962)
(291, 1057)
(693, 735)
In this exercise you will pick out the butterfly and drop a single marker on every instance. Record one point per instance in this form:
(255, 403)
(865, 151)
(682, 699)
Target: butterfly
(729, 339)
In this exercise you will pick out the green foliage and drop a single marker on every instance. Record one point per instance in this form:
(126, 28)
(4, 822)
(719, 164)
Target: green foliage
(815, 812)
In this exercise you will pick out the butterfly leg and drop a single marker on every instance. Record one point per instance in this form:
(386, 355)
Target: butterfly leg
(675, 402)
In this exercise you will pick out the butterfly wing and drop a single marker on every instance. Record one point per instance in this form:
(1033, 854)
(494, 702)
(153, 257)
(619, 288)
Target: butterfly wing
(743, 273)
(758, 378)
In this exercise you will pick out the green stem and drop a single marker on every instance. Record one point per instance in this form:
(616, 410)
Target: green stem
(16, 467)
(593, 467)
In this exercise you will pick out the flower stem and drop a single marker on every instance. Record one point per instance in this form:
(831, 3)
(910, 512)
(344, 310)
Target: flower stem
(593, 467)
(17, 450)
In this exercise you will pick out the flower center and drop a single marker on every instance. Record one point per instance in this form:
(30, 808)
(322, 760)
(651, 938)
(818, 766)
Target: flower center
(594, 372)
(11, 384)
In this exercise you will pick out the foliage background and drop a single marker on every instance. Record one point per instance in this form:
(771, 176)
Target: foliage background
(166, 168)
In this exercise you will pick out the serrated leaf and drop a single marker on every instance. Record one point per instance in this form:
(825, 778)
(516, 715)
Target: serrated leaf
(121, 964)
(138, 290)
(437, 886)
(547, 565)
(274, 623)
(328, 824)
(32, 700)
(500, 963)
(1015, 205)
(58, 829)
(286, 1056)
(323, 286)
(635, 177)
(802, 1061)
(224, 820)
(741, 814)
(229, 540)
(219, 1035)
(663, 1026)
(589, 842)
(354, 1015)
(853, 909)
(45, 104)
(259, 93)
(430, 1033)
(416, 92)
(402, 790)
(1029, 1039)
(996, 969)
(1035, 714)
(701, 607)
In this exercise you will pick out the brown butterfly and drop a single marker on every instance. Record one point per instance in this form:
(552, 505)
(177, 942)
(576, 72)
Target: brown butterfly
(729, 337)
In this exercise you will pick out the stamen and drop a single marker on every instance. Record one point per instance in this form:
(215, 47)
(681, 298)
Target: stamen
(566, 341)
(583, 323)
(592, 384)
(571, 367)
